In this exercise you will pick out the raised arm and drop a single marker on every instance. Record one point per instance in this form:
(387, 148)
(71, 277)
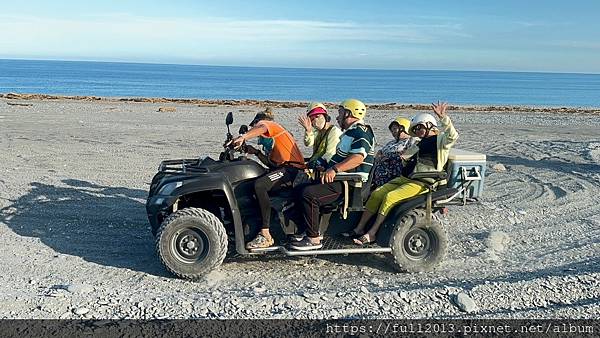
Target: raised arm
(448, 133)
(309, 136)
(252, 133)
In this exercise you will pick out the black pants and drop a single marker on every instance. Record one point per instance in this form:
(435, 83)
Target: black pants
(313, 197)
(271, 182)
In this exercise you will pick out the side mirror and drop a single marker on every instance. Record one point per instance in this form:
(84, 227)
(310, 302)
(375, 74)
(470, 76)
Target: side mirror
(229, 118)
(243, 129)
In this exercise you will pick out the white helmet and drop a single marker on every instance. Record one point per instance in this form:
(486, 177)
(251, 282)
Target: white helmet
(425, 119)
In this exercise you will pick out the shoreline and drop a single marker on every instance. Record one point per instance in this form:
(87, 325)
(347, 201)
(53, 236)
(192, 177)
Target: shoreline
(300, 104)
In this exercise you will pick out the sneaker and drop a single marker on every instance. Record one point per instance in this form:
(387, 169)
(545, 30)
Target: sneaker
(305, 244)
(260, 242)
(297, 237)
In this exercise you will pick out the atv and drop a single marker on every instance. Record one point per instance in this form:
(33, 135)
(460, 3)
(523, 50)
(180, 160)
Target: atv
(196, 207)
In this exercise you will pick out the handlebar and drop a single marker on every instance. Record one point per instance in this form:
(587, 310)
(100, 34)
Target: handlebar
(229, 151)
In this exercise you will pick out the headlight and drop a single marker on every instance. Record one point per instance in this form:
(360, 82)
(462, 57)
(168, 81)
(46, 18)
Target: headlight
(168, 188)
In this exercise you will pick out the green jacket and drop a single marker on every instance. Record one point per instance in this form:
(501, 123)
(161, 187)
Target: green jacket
(324, 143)
(446, 138)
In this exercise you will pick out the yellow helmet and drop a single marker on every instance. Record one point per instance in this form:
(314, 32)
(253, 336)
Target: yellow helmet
(356, 108)
(314, 105)
(403, 123)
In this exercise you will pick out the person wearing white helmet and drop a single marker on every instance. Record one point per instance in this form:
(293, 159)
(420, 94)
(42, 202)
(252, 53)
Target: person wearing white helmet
(431, 154)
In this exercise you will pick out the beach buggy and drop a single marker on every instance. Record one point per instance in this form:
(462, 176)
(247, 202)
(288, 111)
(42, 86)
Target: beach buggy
(197, 207)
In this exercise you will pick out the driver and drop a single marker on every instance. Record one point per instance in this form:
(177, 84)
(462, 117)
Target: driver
(284, 160)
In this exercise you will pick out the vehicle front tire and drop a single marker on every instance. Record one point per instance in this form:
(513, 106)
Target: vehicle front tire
(191, 243)
(417, 247)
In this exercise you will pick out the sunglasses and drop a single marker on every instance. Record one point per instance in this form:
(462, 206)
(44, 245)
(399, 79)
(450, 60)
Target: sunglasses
(418, 127)
(400, 129)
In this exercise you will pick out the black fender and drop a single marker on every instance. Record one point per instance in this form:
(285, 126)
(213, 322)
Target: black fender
(206, 182)
(385, 232)
(219, 183)
(420, 201)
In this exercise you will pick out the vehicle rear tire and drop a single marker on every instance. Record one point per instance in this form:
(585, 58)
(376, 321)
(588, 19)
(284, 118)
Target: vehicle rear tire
(191, 242)
(417, 247)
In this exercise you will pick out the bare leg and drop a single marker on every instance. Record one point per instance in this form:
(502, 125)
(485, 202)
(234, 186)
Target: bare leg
(373, 231)
(366, 216)
(266, 233)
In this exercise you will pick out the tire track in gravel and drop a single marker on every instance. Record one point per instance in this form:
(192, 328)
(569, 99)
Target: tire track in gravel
(514, 191)
(555, 169)
(551, 231)
(547, 192)
(546, 201)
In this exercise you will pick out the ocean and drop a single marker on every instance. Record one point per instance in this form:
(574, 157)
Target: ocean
(114, 79)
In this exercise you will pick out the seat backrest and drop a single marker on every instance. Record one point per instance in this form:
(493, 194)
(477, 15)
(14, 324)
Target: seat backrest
(366, 188)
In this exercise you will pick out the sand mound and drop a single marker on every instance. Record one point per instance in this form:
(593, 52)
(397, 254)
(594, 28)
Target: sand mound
(497, 241)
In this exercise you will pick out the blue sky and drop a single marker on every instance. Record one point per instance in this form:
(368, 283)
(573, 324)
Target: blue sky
(535, 35)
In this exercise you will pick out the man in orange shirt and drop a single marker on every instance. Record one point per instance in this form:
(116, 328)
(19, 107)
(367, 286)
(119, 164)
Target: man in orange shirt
(284, 160)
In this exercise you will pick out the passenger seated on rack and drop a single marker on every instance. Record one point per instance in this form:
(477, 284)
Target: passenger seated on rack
(431, 155)
(388, 160)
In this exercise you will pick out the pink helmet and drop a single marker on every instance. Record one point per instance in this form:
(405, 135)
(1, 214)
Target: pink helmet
(317, 111)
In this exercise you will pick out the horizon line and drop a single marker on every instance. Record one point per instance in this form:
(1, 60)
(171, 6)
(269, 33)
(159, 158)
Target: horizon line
(289, 67)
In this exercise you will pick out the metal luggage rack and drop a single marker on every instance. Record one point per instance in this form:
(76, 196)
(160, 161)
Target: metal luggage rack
(182, 166)
(465, 184)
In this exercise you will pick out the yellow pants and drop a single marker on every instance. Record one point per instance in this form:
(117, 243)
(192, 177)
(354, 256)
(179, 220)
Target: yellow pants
(390, 194)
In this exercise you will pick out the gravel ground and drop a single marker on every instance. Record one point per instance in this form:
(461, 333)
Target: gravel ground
(76, 242)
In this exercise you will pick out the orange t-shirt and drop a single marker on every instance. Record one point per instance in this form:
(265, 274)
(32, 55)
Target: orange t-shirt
(285, 148)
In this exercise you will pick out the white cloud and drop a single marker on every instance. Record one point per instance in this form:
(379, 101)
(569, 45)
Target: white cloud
(123, 35)
(574, 44)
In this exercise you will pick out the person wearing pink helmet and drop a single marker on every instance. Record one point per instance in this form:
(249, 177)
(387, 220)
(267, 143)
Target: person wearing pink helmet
(320, 134)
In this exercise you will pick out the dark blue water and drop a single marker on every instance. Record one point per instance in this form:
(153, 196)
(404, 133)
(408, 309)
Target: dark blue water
(375, 86)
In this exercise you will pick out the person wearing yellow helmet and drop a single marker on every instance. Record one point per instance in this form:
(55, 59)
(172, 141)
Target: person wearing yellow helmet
(388, 162)
(354, 154)
(351, 107)
(430, 154)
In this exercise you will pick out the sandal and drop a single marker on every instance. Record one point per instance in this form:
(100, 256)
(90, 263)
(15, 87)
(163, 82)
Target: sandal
(351, 234)
(260, 242)
(363, 240)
